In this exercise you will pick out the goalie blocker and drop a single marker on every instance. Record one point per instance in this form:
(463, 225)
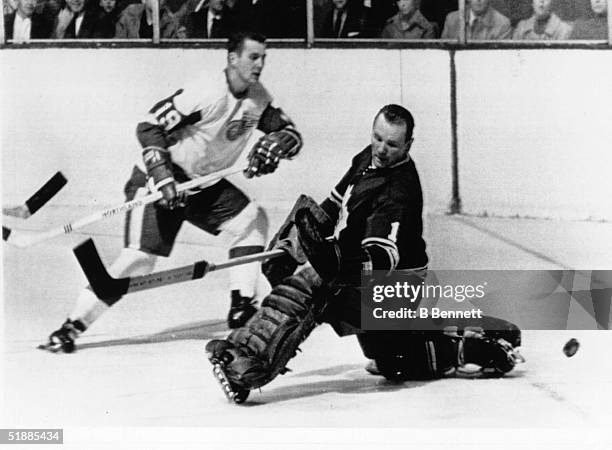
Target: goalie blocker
(252, 356)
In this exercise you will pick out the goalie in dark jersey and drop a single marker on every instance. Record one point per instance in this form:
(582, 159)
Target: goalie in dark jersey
(372, 220)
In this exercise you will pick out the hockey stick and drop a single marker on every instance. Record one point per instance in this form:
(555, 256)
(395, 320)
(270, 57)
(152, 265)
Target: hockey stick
(106, 287)
(38, 199)
(22, 239)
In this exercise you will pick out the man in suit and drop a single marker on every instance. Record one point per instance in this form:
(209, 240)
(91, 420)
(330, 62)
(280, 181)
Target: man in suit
(483, 23)
(24, 23)
(69, 20)
(346, 19)
(210, 20)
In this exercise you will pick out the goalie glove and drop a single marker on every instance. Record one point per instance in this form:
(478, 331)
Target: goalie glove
(324, 253)
(266, 154)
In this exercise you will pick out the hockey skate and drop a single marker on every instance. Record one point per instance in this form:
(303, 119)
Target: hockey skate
(232, 392)
(241, 310)
(62, 340)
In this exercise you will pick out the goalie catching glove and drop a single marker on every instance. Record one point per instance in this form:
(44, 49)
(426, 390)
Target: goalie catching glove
(266, 154)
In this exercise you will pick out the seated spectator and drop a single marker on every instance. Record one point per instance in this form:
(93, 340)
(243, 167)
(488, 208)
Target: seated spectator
(253, 15)
(409, 23)
(595, 27)
(24, 23)
(208, 20)
(136, 22)
(543, 25)
(69, 20)
(484, 23)
(101, 20)
(345, 20)
(8, 7)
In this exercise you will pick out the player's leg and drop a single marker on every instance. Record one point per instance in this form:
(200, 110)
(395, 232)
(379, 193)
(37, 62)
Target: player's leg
(463, 349)
(225, 210)
(149, 232)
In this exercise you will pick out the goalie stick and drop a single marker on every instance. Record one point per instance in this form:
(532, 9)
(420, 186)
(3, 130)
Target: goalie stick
(38, 199)
(23, 239)
(106, 287)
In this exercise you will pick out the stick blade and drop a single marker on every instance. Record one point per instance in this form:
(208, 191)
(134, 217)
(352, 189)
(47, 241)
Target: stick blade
(104, 286)
(46, 192)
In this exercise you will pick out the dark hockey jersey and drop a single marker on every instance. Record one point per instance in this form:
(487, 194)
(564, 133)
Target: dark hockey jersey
(381, 207)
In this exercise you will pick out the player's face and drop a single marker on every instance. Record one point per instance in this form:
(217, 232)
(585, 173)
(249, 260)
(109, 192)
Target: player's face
(479, 6)
(249, 63)
(75, 6)
(389, 144)
(541, 8)
(599, 6)
(26, 7)
(407, 7)
(107, 5)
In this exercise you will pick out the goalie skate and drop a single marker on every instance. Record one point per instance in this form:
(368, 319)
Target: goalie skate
(233, 393)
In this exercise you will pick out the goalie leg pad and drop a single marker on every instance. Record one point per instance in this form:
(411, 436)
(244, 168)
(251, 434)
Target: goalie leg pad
(256, 353)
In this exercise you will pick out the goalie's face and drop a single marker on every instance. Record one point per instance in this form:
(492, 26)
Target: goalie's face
(389, 142)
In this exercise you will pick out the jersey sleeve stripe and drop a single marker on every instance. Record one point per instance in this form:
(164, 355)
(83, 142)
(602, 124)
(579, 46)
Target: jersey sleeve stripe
(389, 247)
(336, 197)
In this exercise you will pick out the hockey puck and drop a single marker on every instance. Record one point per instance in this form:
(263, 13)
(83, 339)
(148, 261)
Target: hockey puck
(571, 347)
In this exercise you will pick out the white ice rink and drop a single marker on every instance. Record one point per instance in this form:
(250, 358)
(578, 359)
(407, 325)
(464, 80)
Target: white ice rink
(533, 141)
(142, 364)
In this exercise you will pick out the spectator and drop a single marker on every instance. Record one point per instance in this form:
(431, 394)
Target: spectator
(210, 20)
(24, 23)
(595, 27)
(69, 21)
(253, 15)
(136, 22)
(484, 23)
(101, 20)
(9, 6)
(345, 20)
(409, 23)
(544, 25)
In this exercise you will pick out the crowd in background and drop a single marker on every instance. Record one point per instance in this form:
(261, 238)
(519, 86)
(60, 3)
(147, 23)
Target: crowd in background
(387, 19)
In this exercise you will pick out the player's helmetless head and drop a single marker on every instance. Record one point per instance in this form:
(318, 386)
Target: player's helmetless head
(26, 7)
(391, 135)
(479, 7)
(599, 7)
(542, 8)
(245, 59)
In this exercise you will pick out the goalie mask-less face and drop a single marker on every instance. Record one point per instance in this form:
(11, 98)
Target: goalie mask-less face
(390, 144)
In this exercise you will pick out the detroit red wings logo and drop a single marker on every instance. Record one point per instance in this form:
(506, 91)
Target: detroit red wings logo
(240, 127)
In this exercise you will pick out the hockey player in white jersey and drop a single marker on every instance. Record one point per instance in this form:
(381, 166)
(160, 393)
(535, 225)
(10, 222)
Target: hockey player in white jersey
(200, 129)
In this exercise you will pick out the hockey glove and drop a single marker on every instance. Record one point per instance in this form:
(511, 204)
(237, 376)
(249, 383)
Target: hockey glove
(323, 254)
(159, 170)
(266, 154)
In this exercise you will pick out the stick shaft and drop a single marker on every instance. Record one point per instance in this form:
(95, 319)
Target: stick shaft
(193, 271)
(25, 239)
